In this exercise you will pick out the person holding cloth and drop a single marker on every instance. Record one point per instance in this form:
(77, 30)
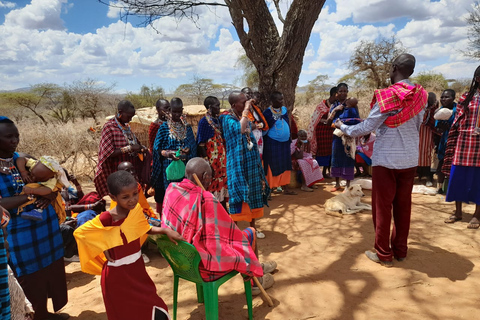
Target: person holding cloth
(396, 116)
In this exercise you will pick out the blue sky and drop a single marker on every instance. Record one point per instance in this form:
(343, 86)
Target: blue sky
(61, 41)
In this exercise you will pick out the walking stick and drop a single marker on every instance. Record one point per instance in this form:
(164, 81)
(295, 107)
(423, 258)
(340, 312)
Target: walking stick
(264, 293)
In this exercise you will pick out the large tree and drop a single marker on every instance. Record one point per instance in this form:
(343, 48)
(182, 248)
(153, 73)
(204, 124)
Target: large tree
(277, 58)
(371, 61)
(473, 21)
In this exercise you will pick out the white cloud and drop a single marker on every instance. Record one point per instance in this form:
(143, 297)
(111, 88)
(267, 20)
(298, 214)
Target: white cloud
(40, 14)
(113, 10)
(7, 4)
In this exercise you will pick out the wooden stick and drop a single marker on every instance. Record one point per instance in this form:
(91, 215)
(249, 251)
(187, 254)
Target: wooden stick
(264, 293)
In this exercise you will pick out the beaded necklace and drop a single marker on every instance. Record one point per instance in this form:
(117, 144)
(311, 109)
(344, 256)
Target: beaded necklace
(127, 133)
(247, 134)
(215, 125)
(8, 167)
(178, 130)
(277, 115)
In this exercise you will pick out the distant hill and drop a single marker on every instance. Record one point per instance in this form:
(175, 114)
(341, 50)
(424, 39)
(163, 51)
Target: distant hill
(16, 90)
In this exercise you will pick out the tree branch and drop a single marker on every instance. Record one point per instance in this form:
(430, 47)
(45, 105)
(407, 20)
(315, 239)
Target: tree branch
(279, 13)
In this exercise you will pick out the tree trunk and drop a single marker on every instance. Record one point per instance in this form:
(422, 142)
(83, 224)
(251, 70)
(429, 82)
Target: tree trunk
(278, 59)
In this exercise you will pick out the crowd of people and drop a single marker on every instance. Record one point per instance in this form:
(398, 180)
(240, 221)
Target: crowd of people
(205, 182)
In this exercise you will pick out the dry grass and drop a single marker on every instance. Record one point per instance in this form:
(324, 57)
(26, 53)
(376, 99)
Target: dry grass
(72, 144)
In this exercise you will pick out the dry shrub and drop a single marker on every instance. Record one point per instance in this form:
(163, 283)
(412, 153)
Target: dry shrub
(74, 145)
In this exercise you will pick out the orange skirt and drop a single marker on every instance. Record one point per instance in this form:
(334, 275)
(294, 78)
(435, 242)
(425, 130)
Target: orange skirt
(278, 181)
(247, 214)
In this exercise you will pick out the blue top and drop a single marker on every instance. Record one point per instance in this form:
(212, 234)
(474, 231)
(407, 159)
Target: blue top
(244, 168)
(34, 245)
(442, 145)
(279, 129)
(205, 131)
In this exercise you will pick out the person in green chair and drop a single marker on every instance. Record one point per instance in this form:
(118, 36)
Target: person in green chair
(201, 219)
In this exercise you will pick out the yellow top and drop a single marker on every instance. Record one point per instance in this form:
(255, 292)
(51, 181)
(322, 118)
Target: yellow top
(93, 238)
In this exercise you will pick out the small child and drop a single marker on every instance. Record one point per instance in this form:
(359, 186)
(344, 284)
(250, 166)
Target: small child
(302, 159)
(43, 177)
(110, 245)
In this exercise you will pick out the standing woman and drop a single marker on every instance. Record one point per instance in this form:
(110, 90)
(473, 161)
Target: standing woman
(118, 144)
(36, 246)
(343, 166)
(174, 134)
(163, 109)
(211, 146)
(464, 144)
(277, 160)
(320, 132)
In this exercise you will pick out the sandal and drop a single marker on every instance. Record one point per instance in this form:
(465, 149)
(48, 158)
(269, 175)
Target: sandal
(473, 224)
(290, 192)
(335, 189)
(452, 219)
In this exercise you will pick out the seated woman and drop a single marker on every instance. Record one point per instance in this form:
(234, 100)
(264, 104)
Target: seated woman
(302, 159)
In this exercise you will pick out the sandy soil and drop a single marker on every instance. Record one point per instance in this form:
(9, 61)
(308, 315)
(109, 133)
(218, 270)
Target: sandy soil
(323, 272)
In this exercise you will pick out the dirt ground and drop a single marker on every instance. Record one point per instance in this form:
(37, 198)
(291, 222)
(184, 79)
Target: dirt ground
(323, 272)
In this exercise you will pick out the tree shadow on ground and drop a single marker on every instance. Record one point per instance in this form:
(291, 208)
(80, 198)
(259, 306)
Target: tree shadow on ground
(90, 315)
(78, 279)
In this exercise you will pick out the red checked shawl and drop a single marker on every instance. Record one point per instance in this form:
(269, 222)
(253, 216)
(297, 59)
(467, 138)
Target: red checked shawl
(112, 138)
(463, 148)
(406, 98)
(320, 135)
(201, 220)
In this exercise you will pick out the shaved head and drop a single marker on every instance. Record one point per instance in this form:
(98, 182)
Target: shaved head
(201, 168)
(405, 64)
(234, 97)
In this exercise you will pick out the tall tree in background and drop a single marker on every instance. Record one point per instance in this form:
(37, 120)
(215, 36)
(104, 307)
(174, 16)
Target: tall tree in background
(277, 58)
(147, 97)
(198, 90)
(250, 75)
(431, 81)
(371, 61)
(473, 21)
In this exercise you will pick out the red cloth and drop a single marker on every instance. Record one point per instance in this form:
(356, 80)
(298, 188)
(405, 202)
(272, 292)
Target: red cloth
(152, 133)
(90, 198)
(293, 128)
(391, 188)
(319, 133)
(128, 291)
(407, 99)
(201, 220)
(112, 138)
(463, 148)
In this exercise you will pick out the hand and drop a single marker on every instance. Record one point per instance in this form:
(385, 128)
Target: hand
(151, 192)
(50, 197)
(338, 124)
(99, 206)
(136, 148)
(174, 236)
(42, 203)
(107, 255)
(339, 108)
(173, 155)
(28, 190)
(71, 222)
(26, 177)
(186, 150)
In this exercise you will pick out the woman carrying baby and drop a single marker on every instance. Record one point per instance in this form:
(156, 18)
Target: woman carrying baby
(343, 165)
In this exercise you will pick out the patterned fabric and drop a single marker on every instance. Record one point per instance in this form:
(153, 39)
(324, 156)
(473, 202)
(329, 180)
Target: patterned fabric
(463, 148)
(391, 144)
(276, 153)
(34, 245)
(201, 220)
(217, 157)
(309, 166)
(445, 125)
(256, 116)
(319, 133)
(425, 146)
(90, 198)
(4, 292)
(246, 178)
(20, 306)
(152, 133)
(166, 141)
(403, 97)
(112, 138)
(340, 159)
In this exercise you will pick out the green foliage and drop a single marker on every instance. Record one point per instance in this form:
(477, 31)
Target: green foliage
(315, 86)
(460, 85)
(431, 81)
(23, 100)
(198, 90)
(147, 97)
(250, 76)
(473, 21)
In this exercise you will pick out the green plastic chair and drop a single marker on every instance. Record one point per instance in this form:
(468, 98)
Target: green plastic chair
(184, 260)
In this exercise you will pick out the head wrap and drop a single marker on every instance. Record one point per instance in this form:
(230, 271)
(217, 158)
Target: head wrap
(53, 165)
